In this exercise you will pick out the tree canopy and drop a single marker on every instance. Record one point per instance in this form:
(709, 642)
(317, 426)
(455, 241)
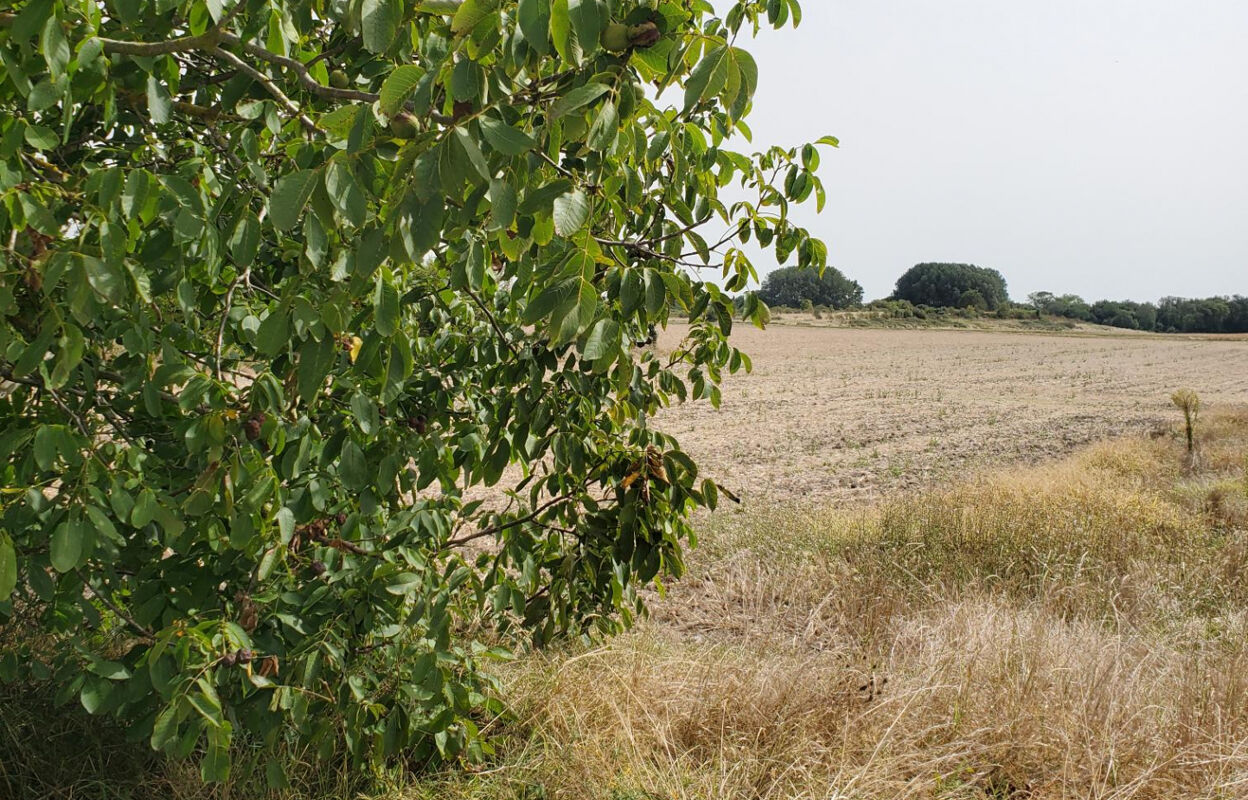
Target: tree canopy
(790, 286)
(316, 376)
(948, 285)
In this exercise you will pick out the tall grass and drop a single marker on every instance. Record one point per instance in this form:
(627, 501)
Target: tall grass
(1075, 630)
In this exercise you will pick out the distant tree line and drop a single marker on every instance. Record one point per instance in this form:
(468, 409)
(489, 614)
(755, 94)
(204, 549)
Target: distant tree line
(1171, 315)
(969, 289)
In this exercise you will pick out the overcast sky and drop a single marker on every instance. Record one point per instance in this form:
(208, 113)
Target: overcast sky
(1091, 146)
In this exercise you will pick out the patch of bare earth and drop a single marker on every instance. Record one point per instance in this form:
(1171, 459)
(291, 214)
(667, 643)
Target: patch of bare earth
(838, 416)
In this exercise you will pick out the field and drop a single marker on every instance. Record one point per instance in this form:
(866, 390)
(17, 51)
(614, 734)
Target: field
(967, 564)
(832, 415)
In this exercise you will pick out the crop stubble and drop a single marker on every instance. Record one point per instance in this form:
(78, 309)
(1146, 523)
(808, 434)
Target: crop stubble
(837, 415)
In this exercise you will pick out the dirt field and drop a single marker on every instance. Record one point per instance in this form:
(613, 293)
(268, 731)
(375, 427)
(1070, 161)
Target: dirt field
(842, 415)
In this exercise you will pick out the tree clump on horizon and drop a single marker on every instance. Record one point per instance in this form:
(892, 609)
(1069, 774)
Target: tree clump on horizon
(948, 285)
(793, 287)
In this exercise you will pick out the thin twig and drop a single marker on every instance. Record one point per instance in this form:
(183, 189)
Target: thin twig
(225, 316)
(269, 86)
(113, 607)
(497, 328)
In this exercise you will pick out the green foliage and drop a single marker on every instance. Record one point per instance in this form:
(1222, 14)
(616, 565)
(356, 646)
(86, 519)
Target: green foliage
(973, 299)
(946, 285)
(798, 288)
(1172, 314)
(1066, 305)
(286, 285)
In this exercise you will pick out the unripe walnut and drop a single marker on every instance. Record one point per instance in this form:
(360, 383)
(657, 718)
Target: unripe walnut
(615, 37)
(401, 125)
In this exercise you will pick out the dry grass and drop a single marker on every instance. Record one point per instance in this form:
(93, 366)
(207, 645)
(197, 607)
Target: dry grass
(1078, 630)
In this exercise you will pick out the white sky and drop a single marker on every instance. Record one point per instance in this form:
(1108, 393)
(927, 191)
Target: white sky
(1091, 146)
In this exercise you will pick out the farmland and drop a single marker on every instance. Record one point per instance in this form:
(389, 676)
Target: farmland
(835, 415)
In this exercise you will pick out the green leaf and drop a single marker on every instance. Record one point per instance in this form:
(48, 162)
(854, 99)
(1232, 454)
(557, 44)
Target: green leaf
(104, 525)
(353, 467)
(631, 292)
(588, 18)
(380, 23)
(606, 125)
(275, 775)
(8, 567)
(579, 97)
(747, 80)
(603, 340)
(541, 198)
(707, 78)
(165, 729)
(656, 293)
(570, 320)
(534, 19)
(55, 47)
(504, 138)
(470, 14)
(159, 103)
(65, 547)
(94, 693)
(385, 307)
(550, 298)
(274, 333)
(289, 197)
(570, 212)
(561, 32)
(69, 356)
(245, 240)
(41, 137)
(346, 193)
(315, 359)
(398, 87)
(108, 281)
(365, 411)
(502, 204)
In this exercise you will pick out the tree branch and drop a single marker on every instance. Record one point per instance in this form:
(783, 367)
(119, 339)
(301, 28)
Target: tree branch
(225, 316)
(494, 322)
(466, 538)
(269, 86)
(300, 69)
(205, 41)
(122, 615)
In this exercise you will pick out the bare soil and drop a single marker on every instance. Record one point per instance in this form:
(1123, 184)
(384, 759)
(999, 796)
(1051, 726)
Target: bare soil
(843, 415)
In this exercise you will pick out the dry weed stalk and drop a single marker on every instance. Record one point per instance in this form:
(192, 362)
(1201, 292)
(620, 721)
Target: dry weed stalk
(1187, 401)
